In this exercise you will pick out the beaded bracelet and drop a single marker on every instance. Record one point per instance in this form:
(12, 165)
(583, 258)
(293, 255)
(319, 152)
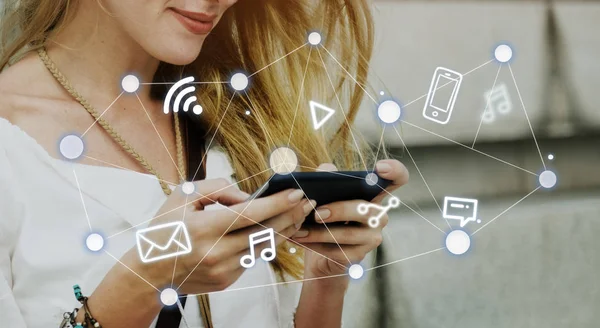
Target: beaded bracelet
(69, 317)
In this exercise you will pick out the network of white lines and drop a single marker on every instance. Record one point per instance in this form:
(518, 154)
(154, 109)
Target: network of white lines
(283, 160)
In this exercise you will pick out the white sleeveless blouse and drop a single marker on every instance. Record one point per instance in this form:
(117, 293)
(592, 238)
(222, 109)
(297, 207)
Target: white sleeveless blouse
(43, 228)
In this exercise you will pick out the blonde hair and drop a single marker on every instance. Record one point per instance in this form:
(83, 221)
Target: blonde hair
(251, 35)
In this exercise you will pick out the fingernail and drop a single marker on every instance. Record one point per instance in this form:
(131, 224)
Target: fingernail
(301, 233)
(245, 194)
(383, 167)
(309, 207)
(295, 196)
(322, 214)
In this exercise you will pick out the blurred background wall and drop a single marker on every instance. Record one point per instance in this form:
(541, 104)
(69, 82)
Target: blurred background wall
(537, 261)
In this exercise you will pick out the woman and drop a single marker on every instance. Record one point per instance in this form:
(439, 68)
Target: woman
(63, 60)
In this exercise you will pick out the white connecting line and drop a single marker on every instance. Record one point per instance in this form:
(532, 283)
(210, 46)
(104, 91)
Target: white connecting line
(82, 202)
(342, 110)
(269, 138)
(448, 139)
(487, 105)
(513, 205)
(160, 137)
(299, 98)
(179, 239)
(186, 204)
(378, 148)
(420, 174)
(527, 116)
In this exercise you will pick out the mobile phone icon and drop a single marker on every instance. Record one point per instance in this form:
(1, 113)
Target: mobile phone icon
(442, 94)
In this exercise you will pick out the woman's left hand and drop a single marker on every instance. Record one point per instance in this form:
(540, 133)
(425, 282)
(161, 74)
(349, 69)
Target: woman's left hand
(355, 241)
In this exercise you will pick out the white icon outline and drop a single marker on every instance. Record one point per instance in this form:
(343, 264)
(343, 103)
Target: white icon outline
(197, 109)
(454, 202)
(493, 105)
(431, 111)
(363, 209)
(185, 247)
(317, 124)
(257, 238)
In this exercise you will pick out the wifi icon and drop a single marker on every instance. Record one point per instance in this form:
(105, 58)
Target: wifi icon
(185, 93)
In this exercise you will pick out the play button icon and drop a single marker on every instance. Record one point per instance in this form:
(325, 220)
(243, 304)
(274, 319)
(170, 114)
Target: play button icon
(319, 120)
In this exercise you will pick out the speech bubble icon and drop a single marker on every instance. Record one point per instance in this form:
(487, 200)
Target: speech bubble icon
(463, 209)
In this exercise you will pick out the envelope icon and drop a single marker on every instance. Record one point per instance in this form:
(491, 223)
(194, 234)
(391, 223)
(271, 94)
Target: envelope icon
(151, 251)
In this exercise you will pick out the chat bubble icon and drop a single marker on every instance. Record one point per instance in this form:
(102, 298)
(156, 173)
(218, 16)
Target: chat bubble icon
(463, 209)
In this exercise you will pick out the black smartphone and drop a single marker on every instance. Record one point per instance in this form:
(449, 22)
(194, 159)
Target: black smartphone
(326, 187)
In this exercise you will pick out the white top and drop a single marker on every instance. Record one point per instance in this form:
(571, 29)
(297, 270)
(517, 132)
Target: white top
(43, 228)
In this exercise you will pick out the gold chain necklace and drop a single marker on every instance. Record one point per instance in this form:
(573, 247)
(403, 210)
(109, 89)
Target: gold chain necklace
(109, 129)
(203, 299)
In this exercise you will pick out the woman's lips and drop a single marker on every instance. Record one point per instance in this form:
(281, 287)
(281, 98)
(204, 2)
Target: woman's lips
(197, 23)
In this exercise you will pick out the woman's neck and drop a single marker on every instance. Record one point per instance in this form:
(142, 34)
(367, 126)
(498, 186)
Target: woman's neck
(95, 53)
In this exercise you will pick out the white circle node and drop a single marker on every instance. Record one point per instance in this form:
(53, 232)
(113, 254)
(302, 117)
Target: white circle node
(503, 53)
(548, 179)
(293, 250)
(94, 242)
(382, 93)
(371, 179)
(188, 188)
(247, 112)
(356, 271)
(198, 109)
(71, 146)
(239, 81)
(458, 242)
(389, 111)
(283, 160)
(550, 156)
(314, 38)
(130, 83)
(168, 296)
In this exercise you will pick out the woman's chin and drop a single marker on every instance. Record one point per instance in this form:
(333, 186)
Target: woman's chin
(179, 55)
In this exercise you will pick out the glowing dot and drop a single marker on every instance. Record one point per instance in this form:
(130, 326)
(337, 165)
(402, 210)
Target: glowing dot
(71, 146)
(458, 242)
(247, 112)
(239, 81)
(478, 221)
(548, 179)
(356, 271)
(371, 179)
(389, 111)
(293, 250)
(197, 109)
(314, 38)
(168, 296)
(188, 188)
(381, 93)
(283, 160)
(503, 53)
(550, 156)
(130, 83)
(94, 242)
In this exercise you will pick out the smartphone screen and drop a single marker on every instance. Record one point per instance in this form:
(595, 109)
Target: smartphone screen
(443, 93)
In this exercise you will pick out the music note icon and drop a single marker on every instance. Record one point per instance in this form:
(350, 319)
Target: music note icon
(267, 254)
(373, 221)
(497, 100)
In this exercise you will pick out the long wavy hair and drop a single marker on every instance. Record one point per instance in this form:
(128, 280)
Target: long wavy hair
(251, 36)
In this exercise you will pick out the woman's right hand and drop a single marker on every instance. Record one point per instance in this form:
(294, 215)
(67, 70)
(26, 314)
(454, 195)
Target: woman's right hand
(219, 238)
